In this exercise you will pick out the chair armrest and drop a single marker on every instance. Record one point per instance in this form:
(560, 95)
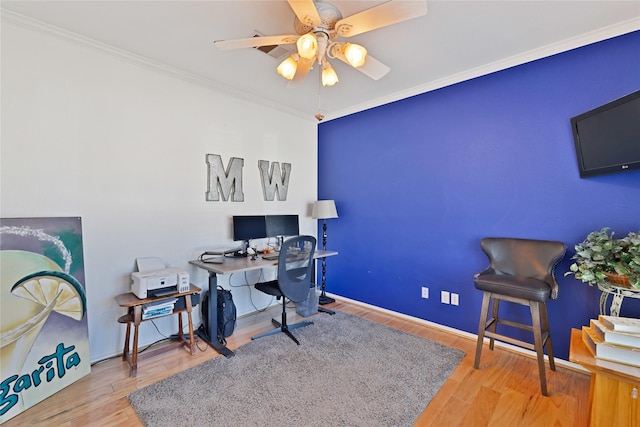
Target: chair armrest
(488, 270)
(553, 286)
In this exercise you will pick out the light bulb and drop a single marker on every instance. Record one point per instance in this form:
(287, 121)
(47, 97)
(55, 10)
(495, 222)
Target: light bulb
(307, 46)
(329, 76)
(355, 54)
(287, 68)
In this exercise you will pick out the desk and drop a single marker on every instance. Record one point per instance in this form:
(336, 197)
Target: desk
(614, 394)
(133, 304)
(229, 266)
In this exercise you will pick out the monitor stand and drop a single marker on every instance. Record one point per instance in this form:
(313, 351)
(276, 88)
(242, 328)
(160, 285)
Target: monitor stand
(279, 242)
(243, 251)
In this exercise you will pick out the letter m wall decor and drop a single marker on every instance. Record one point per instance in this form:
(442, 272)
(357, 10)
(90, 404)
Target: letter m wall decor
(224, 182)
(44, 342)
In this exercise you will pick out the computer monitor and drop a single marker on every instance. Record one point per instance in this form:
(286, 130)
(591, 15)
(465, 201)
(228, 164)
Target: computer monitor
(282, 225)
(249, 227)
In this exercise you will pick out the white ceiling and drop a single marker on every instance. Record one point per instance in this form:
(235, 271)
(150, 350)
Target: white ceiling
(455, 41)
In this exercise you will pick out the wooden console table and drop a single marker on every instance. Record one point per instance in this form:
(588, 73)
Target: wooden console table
(614, 398)
(133, 304)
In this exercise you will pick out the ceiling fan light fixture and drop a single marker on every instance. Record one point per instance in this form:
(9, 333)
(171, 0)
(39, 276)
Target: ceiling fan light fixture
(355, 54)
(288, 67)
(329, 76)
(307, 46)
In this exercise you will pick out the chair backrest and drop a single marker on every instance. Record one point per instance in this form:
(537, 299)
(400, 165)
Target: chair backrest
(525, 258)
(295, 267)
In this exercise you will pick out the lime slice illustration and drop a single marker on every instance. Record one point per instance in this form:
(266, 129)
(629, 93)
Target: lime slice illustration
(14, 265)
(45, 287)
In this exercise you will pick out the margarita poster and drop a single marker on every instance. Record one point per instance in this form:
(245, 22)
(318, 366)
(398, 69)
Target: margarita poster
(44, 343)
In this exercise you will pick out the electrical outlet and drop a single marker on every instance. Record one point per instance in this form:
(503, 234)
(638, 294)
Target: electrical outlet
(455, 299)
(444, 297)
(425, 292)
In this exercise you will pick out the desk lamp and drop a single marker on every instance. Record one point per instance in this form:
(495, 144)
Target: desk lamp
(324, 209)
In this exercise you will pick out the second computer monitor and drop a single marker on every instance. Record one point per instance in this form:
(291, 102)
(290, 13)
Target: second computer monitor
(282, 225)
(249, 227)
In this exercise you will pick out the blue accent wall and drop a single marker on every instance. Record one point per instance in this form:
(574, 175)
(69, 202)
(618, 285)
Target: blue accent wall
(419, 182)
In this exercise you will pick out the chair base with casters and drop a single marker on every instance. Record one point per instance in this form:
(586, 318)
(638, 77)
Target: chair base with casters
(512, 277)
(272, 288)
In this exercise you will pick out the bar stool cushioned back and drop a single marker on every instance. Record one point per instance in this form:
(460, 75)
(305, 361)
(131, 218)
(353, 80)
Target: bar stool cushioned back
(520, 271)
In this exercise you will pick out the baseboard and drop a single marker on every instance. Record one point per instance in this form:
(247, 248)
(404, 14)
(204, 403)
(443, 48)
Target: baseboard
(463, 334)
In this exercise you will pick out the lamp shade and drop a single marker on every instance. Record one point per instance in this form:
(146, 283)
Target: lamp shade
(324, 209)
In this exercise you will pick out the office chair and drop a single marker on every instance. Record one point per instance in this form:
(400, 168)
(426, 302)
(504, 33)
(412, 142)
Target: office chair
(295, 270)
(521, 271)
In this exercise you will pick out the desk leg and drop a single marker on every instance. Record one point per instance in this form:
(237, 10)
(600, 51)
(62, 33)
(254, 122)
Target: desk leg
(192, 347)
(127, 338)
(213, 319)
(137, 318)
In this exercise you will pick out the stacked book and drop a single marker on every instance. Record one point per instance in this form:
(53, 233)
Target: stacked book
(614, 338)
(158, 308)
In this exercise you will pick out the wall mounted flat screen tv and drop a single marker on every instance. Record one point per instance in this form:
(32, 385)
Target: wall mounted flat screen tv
(607, 138)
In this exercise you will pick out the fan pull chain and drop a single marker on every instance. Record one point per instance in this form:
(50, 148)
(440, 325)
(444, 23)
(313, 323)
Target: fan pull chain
(319, 115)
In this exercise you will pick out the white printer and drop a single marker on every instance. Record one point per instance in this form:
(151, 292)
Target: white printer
(154, 282)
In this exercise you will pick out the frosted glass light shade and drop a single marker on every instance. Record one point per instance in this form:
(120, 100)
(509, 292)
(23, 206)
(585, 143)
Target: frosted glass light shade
(355, 54)
(287, 68)
(329, 76)
(307, 46)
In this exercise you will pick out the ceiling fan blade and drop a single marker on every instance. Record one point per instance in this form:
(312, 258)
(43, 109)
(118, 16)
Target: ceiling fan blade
(306, 12)
(255, 42)
(304, 66)
(380, 16)
(371, 67)
(374, 68)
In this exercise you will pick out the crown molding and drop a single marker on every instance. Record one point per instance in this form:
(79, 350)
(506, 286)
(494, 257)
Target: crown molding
(625, 27)
(18, 20)
(566, 45)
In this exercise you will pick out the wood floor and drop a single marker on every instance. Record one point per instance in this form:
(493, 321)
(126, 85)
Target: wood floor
(505, 391)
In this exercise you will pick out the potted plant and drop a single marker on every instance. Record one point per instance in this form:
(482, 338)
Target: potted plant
(602, 260)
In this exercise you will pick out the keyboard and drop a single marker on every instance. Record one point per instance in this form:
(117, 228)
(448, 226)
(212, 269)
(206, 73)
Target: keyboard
(271, 257)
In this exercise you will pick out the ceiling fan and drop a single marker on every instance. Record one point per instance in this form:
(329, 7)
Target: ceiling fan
(318, 26)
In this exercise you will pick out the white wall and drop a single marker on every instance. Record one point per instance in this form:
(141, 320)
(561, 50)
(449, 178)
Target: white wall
(122, 145)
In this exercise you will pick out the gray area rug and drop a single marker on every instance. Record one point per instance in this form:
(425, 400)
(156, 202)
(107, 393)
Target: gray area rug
(348, 371)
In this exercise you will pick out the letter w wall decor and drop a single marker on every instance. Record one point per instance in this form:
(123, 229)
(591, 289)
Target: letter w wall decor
(275, 180)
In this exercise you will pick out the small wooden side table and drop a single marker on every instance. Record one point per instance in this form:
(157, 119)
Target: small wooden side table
(614, 398)
(133, 304)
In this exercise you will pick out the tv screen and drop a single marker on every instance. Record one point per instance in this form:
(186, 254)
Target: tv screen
(607, 138)
(282, 225)
(248, 227)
